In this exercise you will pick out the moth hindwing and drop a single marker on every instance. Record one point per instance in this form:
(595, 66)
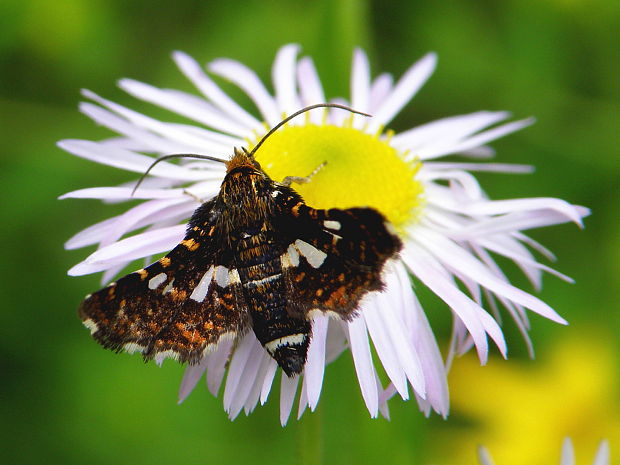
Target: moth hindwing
(255, 257)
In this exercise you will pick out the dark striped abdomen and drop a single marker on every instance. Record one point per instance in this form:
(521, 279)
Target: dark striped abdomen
(260, 271)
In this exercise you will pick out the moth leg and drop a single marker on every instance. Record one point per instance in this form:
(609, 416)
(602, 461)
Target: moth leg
(193, 196)
(287, 181)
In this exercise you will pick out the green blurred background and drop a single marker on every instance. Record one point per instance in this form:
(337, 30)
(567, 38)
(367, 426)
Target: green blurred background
(66, 401)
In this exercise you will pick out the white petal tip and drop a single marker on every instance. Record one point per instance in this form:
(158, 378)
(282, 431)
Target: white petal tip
(179, 55)
(430, 60)
(76, 271)
(63, 144)
(88, 93)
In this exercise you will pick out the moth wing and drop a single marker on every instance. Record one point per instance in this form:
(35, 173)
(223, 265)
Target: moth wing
(337, 257)
(177, 307)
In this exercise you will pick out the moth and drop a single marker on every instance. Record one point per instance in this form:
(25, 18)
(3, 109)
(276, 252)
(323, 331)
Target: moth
(255, 257)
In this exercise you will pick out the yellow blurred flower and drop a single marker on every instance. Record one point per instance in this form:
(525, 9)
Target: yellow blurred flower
(519, 411)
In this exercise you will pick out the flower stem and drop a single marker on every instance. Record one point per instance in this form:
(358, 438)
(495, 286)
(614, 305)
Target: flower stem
(310, 439)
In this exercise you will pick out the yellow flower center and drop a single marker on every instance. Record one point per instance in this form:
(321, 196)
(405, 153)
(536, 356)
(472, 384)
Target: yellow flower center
(361, 170)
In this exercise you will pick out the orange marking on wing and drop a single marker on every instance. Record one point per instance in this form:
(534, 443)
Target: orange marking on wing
(295, 209)
(337, 297)
(190, 244)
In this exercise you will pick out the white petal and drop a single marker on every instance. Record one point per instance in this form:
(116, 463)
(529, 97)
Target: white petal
(422, 336)
(568, 454)
(602, 454)
(216, 366)
(447, 130)
(184, 104)
(255, 393)
(484, 457)
(536, 245)
(248, 378)
(126, 143)
(360, 86)
(310, 88)
(107, 193)
(483, 167)
(336, 341)
(337, 116)
(129, 161)
(362, 358)
(477, 321)
(520, 255)
(144, 139)
(463, 188)
(498, 207)
(110, 273)
(236, 370)
(512, 222)
(379, 90)
(303, 401)
(192, 375)
(194, 72)
(371, 311)
(248, 81)
(268, 380)
(181, 138)
(315, 365)
(483, 152)
(90, 235)
(456, 258)
(138, 246)
(405, 89)
(288, 389)
(474, 141)
(284, 82)
(393, 345)
(383, 406)
(148, 213)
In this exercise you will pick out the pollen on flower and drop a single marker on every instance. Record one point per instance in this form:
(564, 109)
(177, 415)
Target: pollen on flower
(362, 169)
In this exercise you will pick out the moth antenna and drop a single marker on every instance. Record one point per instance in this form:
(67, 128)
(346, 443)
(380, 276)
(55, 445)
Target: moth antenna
(297, 113)
(168, 157)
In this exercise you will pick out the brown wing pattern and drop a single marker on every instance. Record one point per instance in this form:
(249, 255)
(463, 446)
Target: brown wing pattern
(165, 310)
(342, 260)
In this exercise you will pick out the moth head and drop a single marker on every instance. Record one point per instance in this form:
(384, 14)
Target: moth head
(243, 162)
(244, 180)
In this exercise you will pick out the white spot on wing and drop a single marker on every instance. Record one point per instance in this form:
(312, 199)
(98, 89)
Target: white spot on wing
(274, 194)
(290, 258)
(230, 336)
(314, 256)
(330, 224)
(316, 312)
(161, 356)
(168, 287)
(200, 291)
(90, 324)
(157, 281)
(233, 277)
(221, 276)
(293, 339)
(132, 347)
(266, 280)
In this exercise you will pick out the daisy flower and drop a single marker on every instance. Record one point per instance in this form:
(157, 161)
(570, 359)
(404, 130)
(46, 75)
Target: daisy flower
(450, 229)
(568, 454)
